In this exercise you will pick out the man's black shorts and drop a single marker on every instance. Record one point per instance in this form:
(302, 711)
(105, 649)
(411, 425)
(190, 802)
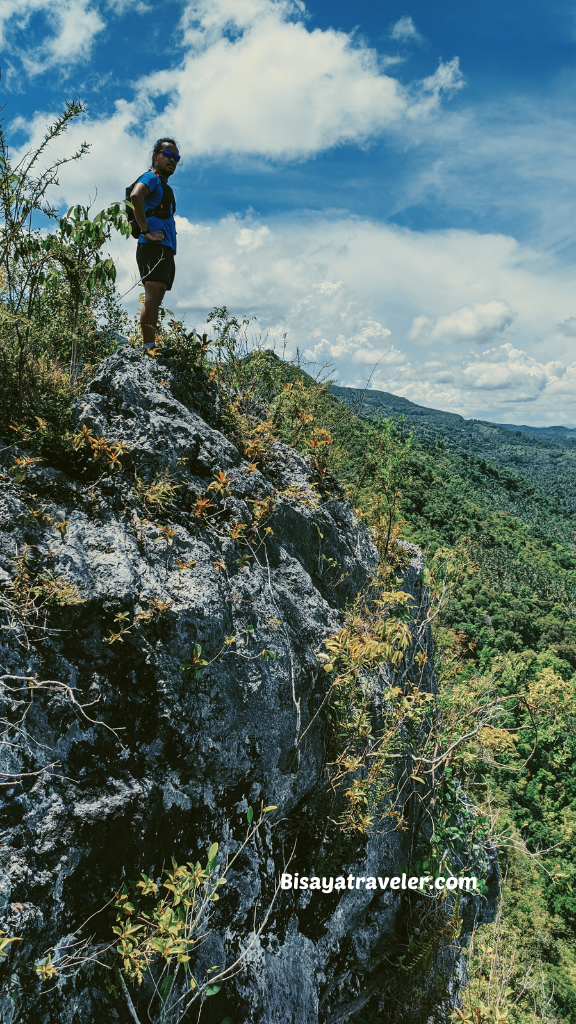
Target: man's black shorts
(156, 263)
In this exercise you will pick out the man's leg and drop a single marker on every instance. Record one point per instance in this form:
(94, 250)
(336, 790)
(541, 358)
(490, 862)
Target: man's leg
(153, 295)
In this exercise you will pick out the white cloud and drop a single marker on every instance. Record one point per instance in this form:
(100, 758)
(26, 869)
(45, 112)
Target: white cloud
(445, 81)
(365, 345)
(256, 80)
(94, 174)
(405, 31)
(328, 287)
(348, 291)
(372, 357)
(479, 324)
(253, 80)
(121, 6)
(508, 369)
(185, 226)
(498, 384)
(20, 12)
(73, 25)
(249, 238)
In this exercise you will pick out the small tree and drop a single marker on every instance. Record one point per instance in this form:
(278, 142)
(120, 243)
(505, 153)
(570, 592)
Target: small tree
(76, 251)
(35, 261)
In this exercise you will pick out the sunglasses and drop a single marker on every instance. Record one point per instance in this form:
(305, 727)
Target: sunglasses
(166, 152)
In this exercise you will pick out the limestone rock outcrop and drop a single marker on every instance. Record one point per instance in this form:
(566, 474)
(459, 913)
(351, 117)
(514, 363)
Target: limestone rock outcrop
(149, 754)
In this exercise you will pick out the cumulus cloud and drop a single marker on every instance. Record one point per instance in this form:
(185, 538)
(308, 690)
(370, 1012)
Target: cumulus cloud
(497, 384)
(253, 81)
(508, 369)
(372, 357)
(367, 345)
(479, 324)
(348, 291)
(405, 31)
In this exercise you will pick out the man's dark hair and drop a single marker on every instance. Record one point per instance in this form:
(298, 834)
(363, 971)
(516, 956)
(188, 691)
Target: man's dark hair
(159, 145)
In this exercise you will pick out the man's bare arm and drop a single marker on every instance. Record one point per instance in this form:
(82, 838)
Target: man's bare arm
(137, 197)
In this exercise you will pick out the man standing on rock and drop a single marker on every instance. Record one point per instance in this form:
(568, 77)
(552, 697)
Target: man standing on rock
(154, 207)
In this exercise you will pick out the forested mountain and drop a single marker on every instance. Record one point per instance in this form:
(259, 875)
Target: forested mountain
(505, 498)
(527, 469)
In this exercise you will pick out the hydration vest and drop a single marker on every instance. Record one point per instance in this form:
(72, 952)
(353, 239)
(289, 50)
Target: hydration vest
(166, 207)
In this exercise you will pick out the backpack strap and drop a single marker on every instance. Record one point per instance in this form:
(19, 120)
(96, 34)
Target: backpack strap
(165, 208)
(134, 225)
(167, 205)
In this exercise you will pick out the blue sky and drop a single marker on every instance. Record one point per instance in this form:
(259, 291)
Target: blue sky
(389, 184)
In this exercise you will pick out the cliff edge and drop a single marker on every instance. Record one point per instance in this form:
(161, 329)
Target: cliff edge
(164, 604)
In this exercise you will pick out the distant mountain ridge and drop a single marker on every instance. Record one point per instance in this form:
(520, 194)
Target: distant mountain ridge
(537, 465)
(370, 403)
(538, 431)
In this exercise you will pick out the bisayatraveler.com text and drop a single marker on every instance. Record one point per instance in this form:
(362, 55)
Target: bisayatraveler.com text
(395, 883)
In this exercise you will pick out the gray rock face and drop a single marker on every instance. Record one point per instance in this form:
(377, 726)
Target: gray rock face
(191, 750)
